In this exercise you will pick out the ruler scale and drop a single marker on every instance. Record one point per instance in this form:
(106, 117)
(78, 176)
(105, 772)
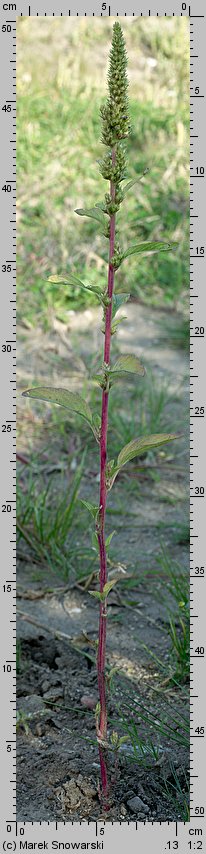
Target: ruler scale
(155, 836)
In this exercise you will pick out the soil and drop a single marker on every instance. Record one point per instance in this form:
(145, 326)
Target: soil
(58, 760)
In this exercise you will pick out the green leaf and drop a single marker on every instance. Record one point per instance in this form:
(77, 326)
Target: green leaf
(106, 589)
(96, 426)
(135, 448)
(94, 213)
(96, 594)
(147, 246)
(147, 443)
(108, 586)
(98, 378)
(114, 738)
(128, 363)
(67, 399)
(92, 509)
(73, 280)
(109, 538)
(95, 544)
(123, 739)
(96, 421)
(100, 206)
(117, 301)
(134, 181)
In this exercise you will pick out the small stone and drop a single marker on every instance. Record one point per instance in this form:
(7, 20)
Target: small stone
(88, 701)
(136, 805)
(130, 794)
(123, 809)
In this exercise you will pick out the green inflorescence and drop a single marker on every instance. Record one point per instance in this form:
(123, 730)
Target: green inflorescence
(117, 172)
(115, 121)
(115, 118)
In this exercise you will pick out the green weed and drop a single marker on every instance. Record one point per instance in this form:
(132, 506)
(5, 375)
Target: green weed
(177, 790)
(177, 583)
(46, 522)
(182, 534)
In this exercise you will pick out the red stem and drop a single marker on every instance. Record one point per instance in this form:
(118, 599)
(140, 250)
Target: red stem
(102, 724)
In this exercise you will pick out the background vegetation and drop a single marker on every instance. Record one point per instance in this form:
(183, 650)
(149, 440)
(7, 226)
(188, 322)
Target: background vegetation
(62, 65)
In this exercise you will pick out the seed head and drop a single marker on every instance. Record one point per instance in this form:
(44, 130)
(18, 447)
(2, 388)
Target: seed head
(114, 114)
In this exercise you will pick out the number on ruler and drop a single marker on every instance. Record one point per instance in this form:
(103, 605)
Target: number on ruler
(6, 108)
(200, 250)
(6, 348)
(6, 28)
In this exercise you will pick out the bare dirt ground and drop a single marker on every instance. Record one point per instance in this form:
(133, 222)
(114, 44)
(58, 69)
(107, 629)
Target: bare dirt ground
(58, 763)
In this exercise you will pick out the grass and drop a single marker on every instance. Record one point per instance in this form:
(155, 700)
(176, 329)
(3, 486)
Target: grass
(177, 792)
(177, 580)
(182, 534)
(149, 731)
(45, 522)
(174, 595)
(59, 96)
